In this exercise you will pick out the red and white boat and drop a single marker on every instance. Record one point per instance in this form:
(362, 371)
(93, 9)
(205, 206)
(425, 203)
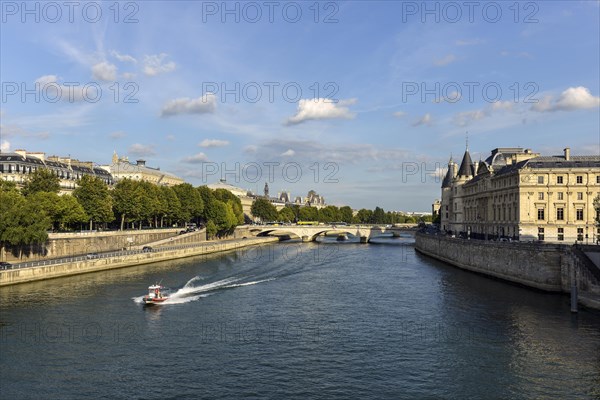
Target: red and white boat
(157, 294)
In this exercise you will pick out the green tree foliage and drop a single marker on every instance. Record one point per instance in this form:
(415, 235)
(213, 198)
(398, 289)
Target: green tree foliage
(192, 205)
(346, 214)
(329, 214)
(236, 204)
(286, 214)
(221, 214)
(211, 230)
(126, 201)
(364, 216)
(63, 211)
(379, 216)
(22, 221)
(41, 180)
(308, 214)
(263, 209)
(173, 213)
(207, 196)
(92, 193)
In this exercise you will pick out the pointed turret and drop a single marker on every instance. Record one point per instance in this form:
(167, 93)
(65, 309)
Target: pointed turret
(447, 182)
(466, 166)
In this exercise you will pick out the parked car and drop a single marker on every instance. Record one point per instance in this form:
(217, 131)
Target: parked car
(5, 265)
(147, 249)
(91, 256)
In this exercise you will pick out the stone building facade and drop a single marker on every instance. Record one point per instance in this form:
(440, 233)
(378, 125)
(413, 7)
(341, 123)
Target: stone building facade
(121, 168)
(16, 166)
(522, 195)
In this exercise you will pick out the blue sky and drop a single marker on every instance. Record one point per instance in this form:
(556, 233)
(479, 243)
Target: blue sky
(378, 94)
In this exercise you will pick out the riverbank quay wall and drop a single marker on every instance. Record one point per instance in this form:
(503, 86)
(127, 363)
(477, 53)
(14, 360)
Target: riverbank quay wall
(548, 267)
(83, 266)
(72, 244)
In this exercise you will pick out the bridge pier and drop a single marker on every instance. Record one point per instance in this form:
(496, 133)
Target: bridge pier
(305, 239)
(364, 239)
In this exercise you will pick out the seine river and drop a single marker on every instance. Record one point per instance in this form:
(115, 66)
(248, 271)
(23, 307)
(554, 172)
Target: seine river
(302, 321)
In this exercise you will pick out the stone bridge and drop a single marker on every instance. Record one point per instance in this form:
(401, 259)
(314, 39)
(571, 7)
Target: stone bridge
(309, 233)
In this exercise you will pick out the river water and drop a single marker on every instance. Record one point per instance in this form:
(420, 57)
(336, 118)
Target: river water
(331, 320)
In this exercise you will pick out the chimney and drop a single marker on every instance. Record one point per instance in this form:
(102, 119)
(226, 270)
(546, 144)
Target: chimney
(567, 153)
(141, 163)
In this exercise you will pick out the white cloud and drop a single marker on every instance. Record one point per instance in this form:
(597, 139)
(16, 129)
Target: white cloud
(153, 64)
(141, 150)
(5, 146)
(399, 114)
(424, 120)
(18, 131)
(316, 109)
(123, 57)
(251, 148)
(196, 159)
(46, 79)
(502, 105)
(573, 98)
(53, 91)
(117, 135)
(104, 71)
(469, 42)
(129, 75)
(213, 143)
(202, 105)
(170, 138)
(288, 153)
(466, 117)
(450, 58)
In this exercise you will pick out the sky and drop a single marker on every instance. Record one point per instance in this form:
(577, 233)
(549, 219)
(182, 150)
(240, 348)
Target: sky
(362, 101)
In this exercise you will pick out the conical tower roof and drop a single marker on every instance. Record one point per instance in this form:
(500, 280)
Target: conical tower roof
(466, 166)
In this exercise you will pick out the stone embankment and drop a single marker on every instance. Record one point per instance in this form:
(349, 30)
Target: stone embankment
(549, 267)
(82, 266)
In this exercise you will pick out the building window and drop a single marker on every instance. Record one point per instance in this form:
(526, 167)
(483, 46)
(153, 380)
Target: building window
(560, 214)
(540, 179)
(540, 233)
(579, 214)
(579, 178)
(559, 180)
(561, 234)
(579, 195)
(580, 234)
(540, 214)
(598, 180)
(559, 196)
(541, 196)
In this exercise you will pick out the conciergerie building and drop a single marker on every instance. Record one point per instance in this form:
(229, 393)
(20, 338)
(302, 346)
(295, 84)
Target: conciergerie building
(518, 194)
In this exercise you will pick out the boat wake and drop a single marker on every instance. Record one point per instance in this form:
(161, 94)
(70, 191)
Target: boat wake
(189, 292)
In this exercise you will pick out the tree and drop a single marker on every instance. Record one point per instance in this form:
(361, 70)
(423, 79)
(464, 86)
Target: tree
(22, 221)
(346, 214)
(62, 210)
(126, 202)
(329, 214)
(308, 213)
(286, 214)
(211, 230)
(192, 205)
(263, 209)
(379, 216)
(173, 205)
(71, 212)
(41, 180)
(92, 193)
(364, 216)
